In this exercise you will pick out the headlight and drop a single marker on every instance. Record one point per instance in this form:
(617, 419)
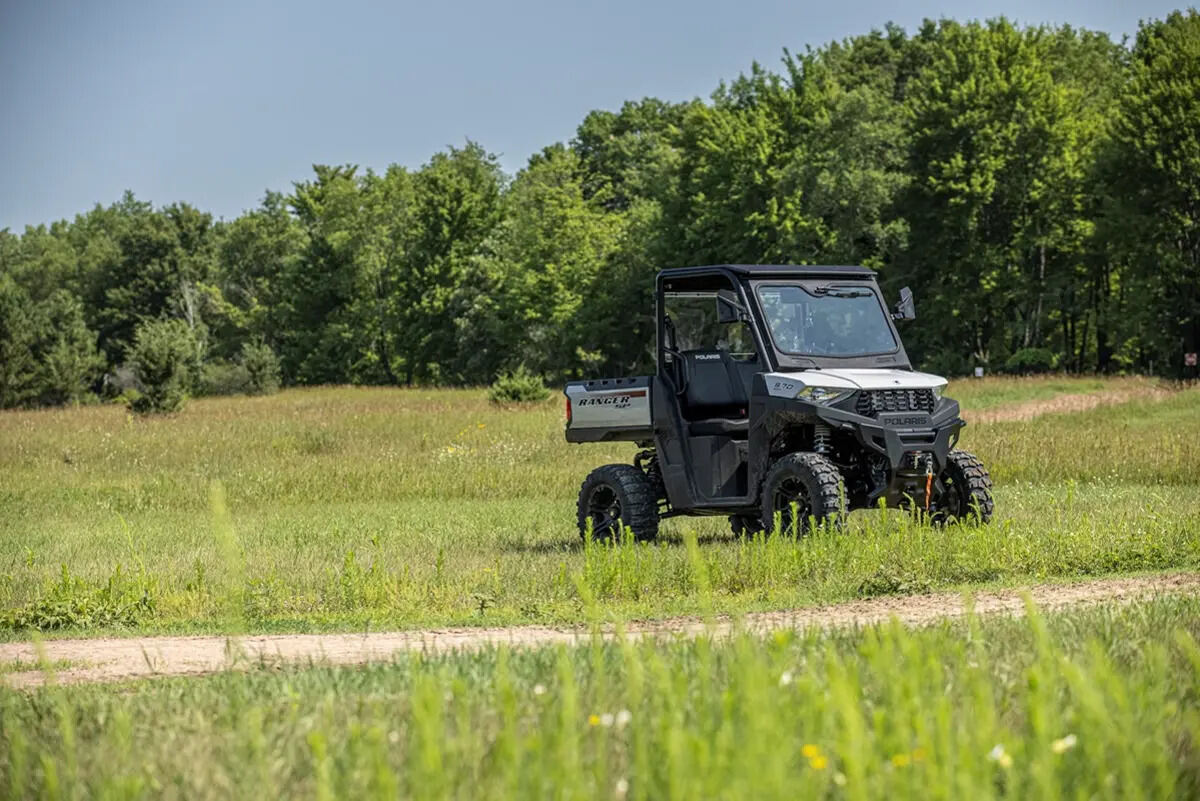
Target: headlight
(937, 393)
(823, 395)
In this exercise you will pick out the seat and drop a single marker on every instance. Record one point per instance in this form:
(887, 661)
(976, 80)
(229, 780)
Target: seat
(714, 399)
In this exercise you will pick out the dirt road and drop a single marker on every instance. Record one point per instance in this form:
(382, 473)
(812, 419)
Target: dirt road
(1076, 402)
(116, 659)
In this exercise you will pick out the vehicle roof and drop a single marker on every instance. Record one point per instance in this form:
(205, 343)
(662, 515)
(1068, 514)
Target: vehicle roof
(753, 270)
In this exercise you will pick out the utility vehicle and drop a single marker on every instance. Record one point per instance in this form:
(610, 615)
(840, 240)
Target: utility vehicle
(782, 396)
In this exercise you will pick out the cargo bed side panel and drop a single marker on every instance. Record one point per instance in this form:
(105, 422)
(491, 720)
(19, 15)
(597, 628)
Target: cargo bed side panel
(609, 409)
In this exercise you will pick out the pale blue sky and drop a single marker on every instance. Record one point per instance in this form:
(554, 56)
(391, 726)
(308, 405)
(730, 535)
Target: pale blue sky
(214, 102)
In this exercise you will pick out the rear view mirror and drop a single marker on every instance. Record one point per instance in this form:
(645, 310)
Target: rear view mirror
(905, 309)
(728, 308)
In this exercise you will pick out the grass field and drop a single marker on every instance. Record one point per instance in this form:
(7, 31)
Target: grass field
(352, 508)
(1089, 704)
(989, 393)
(368, 508)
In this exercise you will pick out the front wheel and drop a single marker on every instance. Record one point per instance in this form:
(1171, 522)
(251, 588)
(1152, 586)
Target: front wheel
(803, 489)
(966, 493)
(615, 497)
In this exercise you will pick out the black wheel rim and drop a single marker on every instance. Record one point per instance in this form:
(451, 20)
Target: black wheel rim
(791, 491)
(951, 502)
(604, 510)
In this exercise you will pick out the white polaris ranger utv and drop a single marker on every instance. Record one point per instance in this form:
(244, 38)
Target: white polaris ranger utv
(782, 393)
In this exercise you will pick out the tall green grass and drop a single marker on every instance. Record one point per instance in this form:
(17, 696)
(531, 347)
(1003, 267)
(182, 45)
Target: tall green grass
(370, 576)
(351, 445)
(975, 394)
(1141, 442)
(1090, 704)
(368, 507)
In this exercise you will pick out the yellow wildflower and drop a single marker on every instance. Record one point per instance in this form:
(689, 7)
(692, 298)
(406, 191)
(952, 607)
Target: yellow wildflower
(901, 760)
(593, 720)
(818, 762)
(1064, 744)
(810, 751)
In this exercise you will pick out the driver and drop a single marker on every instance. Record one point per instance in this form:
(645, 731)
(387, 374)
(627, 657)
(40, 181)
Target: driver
(820, 335)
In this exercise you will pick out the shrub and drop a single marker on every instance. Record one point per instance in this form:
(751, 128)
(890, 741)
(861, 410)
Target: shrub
(1028, 361)
(162, 355)
(261, 367)
(223, 378)
(518, 386)
(256, 372)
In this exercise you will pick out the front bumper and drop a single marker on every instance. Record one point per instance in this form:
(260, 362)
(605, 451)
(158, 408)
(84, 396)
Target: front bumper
(912, 442)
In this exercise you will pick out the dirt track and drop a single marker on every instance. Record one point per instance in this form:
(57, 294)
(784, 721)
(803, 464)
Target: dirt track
(117, 659)
(1080, 402)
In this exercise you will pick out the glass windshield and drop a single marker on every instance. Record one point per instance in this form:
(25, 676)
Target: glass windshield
(826, 320)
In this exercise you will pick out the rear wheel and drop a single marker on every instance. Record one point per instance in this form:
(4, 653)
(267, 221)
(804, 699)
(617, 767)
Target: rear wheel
(966, 491)
(802, 488)
(617, 496)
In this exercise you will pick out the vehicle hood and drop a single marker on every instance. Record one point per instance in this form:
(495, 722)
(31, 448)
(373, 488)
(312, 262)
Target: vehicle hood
(788, 384)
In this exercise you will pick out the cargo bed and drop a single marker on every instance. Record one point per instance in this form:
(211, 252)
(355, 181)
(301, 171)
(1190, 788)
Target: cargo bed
(609, 409)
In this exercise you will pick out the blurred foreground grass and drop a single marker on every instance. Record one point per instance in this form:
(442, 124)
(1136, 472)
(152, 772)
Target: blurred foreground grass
(1097, 703)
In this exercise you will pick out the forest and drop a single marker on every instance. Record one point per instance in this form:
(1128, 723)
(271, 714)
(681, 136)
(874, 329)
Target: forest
(1037, 187)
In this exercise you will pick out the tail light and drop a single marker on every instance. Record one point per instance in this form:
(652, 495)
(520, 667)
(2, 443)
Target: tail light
(568, 400)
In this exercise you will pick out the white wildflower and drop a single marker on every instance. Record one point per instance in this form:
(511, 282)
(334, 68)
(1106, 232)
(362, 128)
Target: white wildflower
(1000, 756)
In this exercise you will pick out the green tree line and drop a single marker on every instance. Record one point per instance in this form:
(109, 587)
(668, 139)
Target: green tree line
(1038, 188)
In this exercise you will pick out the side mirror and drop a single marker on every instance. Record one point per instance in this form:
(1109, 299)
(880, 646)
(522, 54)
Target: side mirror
(728, 308)
(905, 309)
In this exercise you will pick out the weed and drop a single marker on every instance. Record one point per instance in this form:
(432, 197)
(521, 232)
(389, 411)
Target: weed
(73, 602)
(888, 581)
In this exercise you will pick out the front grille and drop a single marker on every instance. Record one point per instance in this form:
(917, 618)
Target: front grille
(872, 403)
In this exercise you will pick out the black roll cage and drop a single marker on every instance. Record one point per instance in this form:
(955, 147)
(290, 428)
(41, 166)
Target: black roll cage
(742, 278)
